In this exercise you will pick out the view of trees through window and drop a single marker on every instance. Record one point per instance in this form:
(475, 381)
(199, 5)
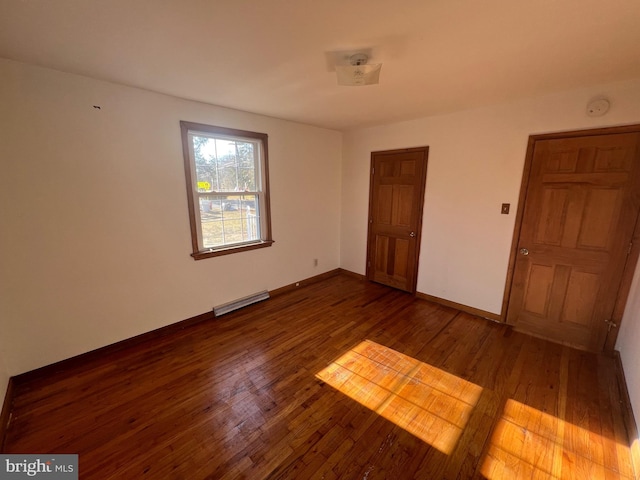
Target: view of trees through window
(224, 168)
(224, 165)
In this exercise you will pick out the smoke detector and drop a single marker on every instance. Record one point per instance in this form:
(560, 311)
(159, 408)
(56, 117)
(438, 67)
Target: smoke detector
(598, 107)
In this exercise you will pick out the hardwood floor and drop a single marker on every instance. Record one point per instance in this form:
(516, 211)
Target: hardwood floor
(338, 380)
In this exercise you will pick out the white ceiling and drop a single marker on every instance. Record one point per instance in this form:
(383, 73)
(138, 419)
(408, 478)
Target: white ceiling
(274, 56)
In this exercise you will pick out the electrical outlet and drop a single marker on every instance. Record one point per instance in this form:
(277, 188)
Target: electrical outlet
(505, 208)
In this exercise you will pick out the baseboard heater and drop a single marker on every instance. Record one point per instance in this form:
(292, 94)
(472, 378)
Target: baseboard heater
(241, 302)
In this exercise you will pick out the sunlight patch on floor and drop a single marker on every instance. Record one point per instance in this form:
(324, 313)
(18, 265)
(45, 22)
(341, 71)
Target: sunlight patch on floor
(528, 443)
(635, 455)
(427, 402)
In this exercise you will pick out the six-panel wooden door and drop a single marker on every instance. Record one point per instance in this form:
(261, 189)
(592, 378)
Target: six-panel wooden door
(580, 211)
(395, 216)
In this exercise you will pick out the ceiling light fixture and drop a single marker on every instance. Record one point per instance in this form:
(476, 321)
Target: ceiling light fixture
(358, 73)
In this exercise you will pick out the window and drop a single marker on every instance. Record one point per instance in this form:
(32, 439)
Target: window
(227, 189)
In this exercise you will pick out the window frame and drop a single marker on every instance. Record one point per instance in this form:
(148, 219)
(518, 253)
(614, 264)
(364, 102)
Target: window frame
(193, 199)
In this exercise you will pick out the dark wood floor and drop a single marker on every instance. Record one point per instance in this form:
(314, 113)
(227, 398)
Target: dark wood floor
(342, 379)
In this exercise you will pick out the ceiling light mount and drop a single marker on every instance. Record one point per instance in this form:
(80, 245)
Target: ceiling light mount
(358, 73)
(358, 59)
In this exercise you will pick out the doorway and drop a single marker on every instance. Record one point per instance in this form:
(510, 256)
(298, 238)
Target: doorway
(573, 255)
(396, 199)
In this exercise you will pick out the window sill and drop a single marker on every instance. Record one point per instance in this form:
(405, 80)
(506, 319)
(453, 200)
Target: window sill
(217, 252)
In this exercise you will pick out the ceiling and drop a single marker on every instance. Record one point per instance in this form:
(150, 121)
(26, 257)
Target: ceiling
(275, 57)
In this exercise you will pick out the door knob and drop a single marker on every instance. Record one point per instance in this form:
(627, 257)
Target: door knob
(412, 234)
(524, 251)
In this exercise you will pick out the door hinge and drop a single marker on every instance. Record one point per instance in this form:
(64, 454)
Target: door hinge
(630, 247)
(373, 170)
(610, 324)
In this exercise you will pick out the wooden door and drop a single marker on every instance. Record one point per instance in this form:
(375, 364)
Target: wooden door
(581, 207)
(396, 198)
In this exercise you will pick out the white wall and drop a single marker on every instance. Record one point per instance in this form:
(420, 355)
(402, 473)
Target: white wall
(629, 344)
(476, 159)
(95, 238)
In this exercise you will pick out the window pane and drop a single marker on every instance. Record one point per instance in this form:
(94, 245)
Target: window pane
(246, 166)
(226, 161)
(228, 219)
(224, 165)
(205, 160)
(235, 163)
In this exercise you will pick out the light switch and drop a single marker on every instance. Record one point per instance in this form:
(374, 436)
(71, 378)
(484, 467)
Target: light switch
(505, 208)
